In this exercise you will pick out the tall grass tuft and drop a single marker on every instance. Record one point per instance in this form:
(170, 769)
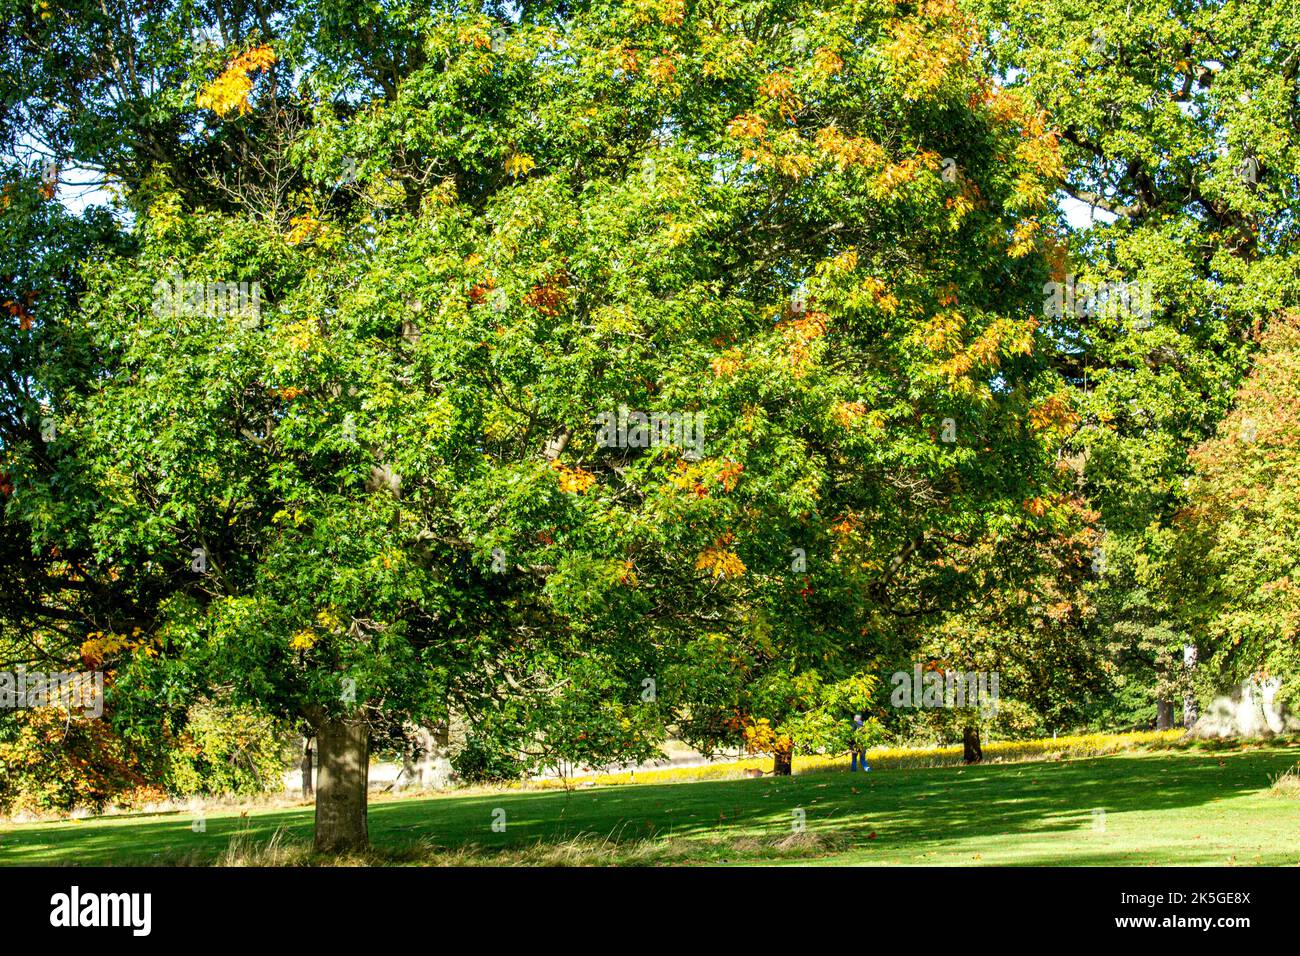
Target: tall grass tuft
(1287, 783)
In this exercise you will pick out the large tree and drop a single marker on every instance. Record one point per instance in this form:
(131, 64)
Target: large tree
(815, 234)
(1179, 127)
(1237, 561)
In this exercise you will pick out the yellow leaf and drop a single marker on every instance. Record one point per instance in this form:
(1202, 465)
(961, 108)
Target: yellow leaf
(229, 91)
(519, 165)
(573, 481)
(719, 561)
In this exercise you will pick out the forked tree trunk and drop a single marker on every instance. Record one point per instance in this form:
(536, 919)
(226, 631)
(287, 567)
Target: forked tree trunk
(425, 760)
(342, 778)
(306, 766)
(783, 762)
(972, 752)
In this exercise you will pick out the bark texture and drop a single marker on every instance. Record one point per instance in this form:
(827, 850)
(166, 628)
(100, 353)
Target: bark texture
(342, 781)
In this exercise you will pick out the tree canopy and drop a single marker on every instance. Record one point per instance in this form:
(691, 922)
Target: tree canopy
(587, 370)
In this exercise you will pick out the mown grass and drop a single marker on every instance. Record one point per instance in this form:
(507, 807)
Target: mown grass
(1192, 804)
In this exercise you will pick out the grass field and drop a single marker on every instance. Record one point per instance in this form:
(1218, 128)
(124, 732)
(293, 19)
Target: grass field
(1203, 804)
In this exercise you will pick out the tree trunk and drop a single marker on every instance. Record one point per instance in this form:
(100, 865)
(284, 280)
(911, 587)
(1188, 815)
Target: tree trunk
(1164, 715)
(1189, 699)
(342, 778)
(972, 752)
(306, 767)
(783, 762)
(426, 762)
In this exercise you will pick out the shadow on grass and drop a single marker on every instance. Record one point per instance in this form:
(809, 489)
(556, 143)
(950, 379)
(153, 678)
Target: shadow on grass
(910, 810)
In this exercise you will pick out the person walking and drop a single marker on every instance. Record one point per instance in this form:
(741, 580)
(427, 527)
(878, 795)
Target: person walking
(855, 751)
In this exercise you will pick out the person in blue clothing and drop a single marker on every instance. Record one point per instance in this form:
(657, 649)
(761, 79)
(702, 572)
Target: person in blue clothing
(855, 752)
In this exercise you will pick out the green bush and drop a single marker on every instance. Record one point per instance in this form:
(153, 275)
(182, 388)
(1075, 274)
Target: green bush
(226, 748)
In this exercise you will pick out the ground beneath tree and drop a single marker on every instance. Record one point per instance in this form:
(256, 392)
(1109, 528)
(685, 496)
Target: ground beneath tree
(1209, 804)
(387, 774)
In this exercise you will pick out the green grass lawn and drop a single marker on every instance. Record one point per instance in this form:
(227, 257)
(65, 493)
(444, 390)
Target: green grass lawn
(1198, 805)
